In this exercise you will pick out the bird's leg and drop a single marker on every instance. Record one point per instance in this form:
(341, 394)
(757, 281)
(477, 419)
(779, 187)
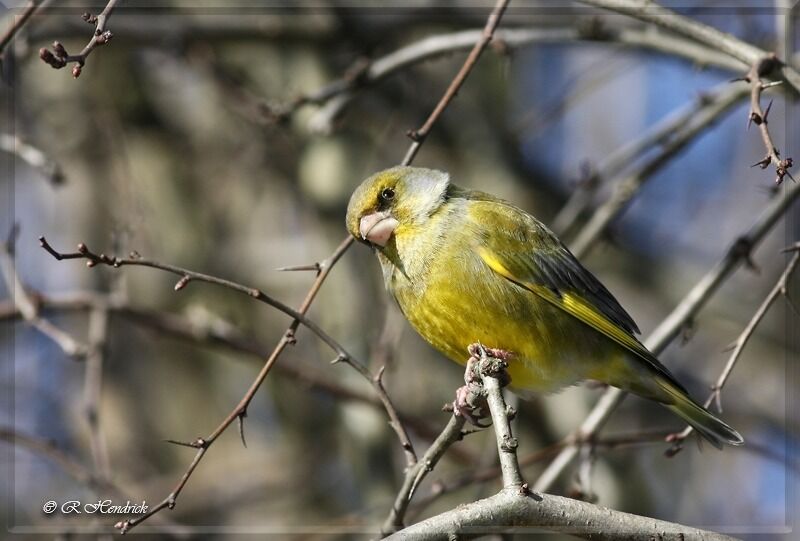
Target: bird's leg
(470, 401)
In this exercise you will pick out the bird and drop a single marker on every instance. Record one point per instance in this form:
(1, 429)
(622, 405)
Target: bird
(466, 267)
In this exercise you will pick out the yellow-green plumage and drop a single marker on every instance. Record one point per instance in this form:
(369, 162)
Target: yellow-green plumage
(466, 267)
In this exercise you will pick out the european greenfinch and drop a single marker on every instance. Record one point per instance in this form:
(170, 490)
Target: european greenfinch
(468, 268)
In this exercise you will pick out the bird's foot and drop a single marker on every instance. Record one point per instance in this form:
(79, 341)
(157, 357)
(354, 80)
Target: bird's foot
(470, 401)
(478, 350)
(487, 361)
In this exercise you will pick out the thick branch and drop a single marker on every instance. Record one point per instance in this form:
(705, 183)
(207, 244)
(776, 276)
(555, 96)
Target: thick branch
(335, 96)
(514, 511)
(414, 475)
(650, 12)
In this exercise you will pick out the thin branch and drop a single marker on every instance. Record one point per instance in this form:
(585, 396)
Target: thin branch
(414, 475)
(383, 351)
(203, 444)
(52, 452)
(30, 313)
(738, 252)
(335, 96)
(59, 57)
(757, 116)
(215, 333)
(494, 378)
(240, 411)
(186, 276)
(615, 163)
(606, 443)
(18, 22)
(651, 12)
(92, 390)
(521, 512)
(418, 136)
(779, 290)
(715, 106)
(33, 156)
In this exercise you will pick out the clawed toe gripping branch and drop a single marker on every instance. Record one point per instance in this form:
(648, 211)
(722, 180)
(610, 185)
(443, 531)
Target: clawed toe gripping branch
(470, 401)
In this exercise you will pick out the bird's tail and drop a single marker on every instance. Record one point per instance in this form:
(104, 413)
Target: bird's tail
(708, 426)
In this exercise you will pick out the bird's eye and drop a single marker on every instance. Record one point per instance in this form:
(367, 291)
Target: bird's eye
(387, 194)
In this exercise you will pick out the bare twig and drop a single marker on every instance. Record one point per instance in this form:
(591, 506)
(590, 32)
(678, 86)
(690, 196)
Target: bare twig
(240, 411)
(67, 463)
(651, 12)
(628, 187)
(760, 69)
(658, 135)
(779, 290)
(33, 156)
(414, 475)
(186, 276)
(64, 340)
(337, 95)
(18, 22)
(59, 57)
(418, 136)
(738, 252)
(598, 443)
(213, 333)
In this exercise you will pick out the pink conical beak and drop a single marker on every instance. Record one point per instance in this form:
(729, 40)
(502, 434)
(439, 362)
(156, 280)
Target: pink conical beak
(377, 227)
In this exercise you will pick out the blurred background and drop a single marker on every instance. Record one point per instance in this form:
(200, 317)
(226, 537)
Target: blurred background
(182, 140)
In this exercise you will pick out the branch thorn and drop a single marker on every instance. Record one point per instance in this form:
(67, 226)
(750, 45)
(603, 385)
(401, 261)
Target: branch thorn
(240, 419)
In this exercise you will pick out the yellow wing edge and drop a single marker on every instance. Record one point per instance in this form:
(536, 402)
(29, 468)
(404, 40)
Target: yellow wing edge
(573, 305)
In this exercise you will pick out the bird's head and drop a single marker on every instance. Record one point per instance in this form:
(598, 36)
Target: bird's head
(394, 202)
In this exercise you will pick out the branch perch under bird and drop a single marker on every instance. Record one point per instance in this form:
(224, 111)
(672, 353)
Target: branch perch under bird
(515, 506)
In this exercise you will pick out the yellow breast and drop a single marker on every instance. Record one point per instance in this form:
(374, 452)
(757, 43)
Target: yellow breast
(459, 301)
